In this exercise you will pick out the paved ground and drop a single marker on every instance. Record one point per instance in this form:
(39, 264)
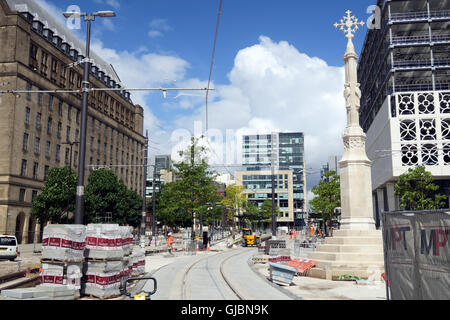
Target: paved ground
(304, 287)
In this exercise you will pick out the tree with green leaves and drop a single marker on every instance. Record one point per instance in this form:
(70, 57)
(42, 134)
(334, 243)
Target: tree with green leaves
(57, 198)
(235, 198)
(328, 198)
(266, 211)
(417, 190)
(194, 192)
(105, 193)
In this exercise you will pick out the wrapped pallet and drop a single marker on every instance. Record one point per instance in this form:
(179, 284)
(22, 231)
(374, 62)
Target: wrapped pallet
(127, 239)
(103, 242)
(137, 261)
(64, 242)
(102, 279)
(68, 274)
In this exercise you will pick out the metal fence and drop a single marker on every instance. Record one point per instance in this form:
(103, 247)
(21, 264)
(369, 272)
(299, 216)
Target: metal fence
(417, 255)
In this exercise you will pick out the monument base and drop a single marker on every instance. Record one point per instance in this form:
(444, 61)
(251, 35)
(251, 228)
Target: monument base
(349, 252)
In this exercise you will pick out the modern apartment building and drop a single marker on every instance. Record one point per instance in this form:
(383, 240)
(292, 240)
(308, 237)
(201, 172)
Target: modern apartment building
(404, 72)
(280, 154)
(36, 53)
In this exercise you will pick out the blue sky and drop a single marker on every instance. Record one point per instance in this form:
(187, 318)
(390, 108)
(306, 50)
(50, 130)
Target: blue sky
(278, 64)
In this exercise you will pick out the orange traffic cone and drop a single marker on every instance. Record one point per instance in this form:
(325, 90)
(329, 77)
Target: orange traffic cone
(197, 248)
(207, 246)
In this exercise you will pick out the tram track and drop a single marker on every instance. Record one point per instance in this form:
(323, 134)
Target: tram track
(226, 279)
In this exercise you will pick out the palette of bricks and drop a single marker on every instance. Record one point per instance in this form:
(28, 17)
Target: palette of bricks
(93, 261)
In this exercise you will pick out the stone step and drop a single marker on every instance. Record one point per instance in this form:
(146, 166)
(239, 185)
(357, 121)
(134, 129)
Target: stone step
(354, 240)
(334, 274)
(357, 233)
(349, 264)
(346, 256)
(372, 248)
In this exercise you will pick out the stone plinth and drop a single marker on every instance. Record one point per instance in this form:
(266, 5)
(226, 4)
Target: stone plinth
(352, 252)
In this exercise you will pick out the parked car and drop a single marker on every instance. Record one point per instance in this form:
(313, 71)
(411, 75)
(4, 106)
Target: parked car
(8, 247)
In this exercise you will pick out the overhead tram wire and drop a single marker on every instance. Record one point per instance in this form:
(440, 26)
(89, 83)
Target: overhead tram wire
(212, 61)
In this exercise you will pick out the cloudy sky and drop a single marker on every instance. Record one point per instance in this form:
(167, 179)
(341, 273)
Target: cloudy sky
(278, 67)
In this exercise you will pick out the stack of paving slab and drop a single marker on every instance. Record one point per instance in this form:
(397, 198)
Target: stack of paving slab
(137, 260)
(127, 247)
(40, 292)
(104, 255)
(62, 259)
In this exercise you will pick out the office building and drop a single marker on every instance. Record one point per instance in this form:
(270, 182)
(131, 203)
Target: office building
(38, 53)
(283, 155)
(404, 72)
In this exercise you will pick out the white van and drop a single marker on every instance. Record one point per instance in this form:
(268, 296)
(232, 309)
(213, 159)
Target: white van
(8, 247)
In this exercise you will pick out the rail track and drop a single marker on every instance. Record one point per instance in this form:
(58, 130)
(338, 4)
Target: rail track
(184, 286)
(23, 279)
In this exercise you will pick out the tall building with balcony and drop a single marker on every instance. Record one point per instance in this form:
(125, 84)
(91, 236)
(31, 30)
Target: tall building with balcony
(281, 155)
(38, 53)
(404, 71)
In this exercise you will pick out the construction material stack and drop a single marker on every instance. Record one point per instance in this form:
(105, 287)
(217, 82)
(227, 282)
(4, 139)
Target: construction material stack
(103, 265)
(127, 247)
(62, 259)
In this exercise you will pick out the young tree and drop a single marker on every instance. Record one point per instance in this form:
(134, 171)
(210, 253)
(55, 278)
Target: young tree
(194, 192)
(328, 197)
(417, 190)
(235, 198)
(266, 211)
(57, 198)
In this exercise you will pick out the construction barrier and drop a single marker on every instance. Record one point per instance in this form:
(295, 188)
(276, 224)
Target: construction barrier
(417, 255)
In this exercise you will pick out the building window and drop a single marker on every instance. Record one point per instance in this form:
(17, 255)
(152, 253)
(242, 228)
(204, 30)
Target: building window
(69, 112)
(49, 125)
(35, 170)
(58, 150)
(75, 158)
(40, 95)
(33, 56)
(46, 169)
(28, 89)
(92, 143)
(59, 129)
(22, 195)
(23, 169)
(98, 146)
(93, 124)
(25, 142)
(37, 141)
(68, 134)
(44, 63)
(38, 121)
(78, 117)
(50, 103)
(33, 195)
(66, 160)
(27, 115)
(47, 149)
(60, 107)
(77, 133)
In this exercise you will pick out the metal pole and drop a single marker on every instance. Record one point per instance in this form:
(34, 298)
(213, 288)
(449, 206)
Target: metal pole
(144, 192)
(386, 273)
(154, 203)
(274, 218)
(79, 204)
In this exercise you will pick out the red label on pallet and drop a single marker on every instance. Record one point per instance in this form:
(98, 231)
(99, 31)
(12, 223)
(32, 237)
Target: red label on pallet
(91, 241)
(66, 244)
(45, 242)
(119, 242)
(55, 242)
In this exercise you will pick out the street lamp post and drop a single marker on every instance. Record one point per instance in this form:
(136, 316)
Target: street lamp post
(79, 204)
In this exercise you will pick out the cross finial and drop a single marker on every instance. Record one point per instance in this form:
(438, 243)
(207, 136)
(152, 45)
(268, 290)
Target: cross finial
(349, 25)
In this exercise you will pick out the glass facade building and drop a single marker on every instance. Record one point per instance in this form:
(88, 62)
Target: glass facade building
(284, 154)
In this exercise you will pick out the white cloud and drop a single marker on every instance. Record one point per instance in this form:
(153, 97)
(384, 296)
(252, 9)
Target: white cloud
(142, 69)
(274, 87)
(112, 3)
(158, 27)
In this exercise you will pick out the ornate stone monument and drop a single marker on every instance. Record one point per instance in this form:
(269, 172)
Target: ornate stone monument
(356, 248)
